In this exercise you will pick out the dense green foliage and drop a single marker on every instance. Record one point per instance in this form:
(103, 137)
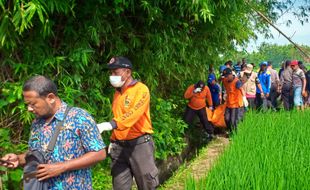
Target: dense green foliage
(170, 43)
(270, 151)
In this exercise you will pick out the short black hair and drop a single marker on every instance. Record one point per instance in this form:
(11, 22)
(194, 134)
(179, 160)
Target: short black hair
(287, 63)
(229, 62)
(40, 84)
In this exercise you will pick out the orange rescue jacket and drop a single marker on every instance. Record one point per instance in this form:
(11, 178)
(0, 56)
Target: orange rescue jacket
(234, 95)
(131, 110)
(197, 101)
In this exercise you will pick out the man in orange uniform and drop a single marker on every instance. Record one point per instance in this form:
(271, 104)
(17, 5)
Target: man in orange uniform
(132, 147)
(234, 102)
(197, 95)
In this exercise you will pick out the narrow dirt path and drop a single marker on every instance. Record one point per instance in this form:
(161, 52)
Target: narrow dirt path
(199, 167)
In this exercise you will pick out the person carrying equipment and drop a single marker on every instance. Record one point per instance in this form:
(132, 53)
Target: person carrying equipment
(234, 100)
(215, 89)
(198, 94)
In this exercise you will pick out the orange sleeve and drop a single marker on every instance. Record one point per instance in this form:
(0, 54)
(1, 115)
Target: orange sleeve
(189, 92)
(208, 96)
(141, 104)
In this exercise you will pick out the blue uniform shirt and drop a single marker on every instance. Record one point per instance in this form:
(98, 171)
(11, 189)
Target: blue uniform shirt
(79, 136)
(215, 93)
(265, 80)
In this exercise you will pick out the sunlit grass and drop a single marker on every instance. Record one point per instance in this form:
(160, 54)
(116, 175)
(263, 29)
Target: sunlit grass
(270, 151)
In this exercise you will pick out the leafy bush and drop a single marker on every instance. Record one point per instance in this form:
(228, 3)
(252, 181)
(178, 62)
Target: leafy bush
(168, 129)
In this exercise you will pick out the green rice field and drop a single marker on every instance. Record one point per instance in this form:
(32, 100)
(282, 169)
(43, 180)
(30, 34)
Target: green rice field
(270, 151)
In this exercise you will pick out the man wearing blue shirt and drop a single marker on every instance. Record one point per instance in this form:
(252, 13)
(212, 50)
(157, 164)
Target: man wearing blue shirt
(265, 81)
(215, 89)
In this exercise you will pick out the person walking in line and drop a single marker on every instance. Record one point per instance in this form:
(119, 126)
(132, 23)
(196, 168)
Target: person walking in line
(302, 66)
(198, 94)
(237, 68)
(229, 64)
(299, 85)
(132, 147)
(223, 94)
(250, 81)
(215, 89)
(281, 70)
(307, 98)
(234, 100)
(265, 81)
(286, 86)
(243, 64)
(274, 89)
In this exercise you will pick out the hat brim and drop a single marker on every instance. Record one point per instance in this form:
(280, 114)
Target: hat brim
(117, 66)
(113, 66)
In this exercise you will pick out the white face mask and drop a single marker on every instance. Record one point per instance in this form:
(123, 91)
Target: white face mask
(116, 81)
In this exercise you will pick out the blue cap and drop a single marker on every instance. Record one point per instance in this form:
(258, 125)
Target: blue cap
(263, 63)
(222, 67)
(211, 77)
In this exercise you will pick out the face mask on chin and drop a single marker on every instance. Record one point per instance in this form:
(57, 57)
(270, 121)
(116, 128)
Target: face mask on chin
(116, 81)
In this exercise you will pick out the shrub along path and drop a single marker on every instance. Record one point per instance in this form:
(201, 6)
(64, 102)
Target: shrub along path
(199, 167)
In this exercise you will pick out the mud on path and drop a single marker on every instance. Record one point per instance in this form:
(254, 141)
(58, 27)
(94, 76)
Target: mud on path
(199, 167)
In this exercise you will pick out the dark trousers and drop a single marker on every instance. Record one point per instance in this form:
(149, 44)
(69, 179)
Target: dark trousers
(261, 102)
(134, 161)
(202, 114)
(287, 96)
(273, 96)
(232, 117)
(241, 113)
(251, 103)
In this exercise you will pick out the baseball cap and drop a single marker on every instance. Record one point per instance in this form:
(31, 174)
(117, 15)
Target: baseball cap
(294, 62)
(227, 72)
(211, 78)
(119, 62)
(222, 67)
(249, 68)
(263, 63)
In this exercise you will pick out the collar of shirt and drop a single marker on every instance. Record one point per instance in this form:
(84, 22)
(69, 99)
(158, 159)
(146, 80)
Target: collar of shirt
(59, 115)
(133, 82)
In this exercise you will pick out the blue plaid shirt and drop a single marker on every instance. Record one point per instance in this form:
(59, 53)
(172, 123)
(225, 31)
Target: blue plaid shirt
(79, 136)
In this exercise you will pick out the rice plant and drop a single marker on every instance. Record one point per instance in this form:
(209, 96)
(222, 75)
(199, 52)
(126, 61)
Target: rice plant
(270, 151)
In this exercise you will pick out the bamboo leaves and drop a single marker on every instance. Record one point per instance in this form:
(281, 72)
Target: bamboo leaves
(205, 13)
(24, 12)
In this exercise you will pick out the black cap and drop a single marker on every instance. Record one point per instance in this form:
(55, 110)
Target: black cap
(227, 71)
(119, 62)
